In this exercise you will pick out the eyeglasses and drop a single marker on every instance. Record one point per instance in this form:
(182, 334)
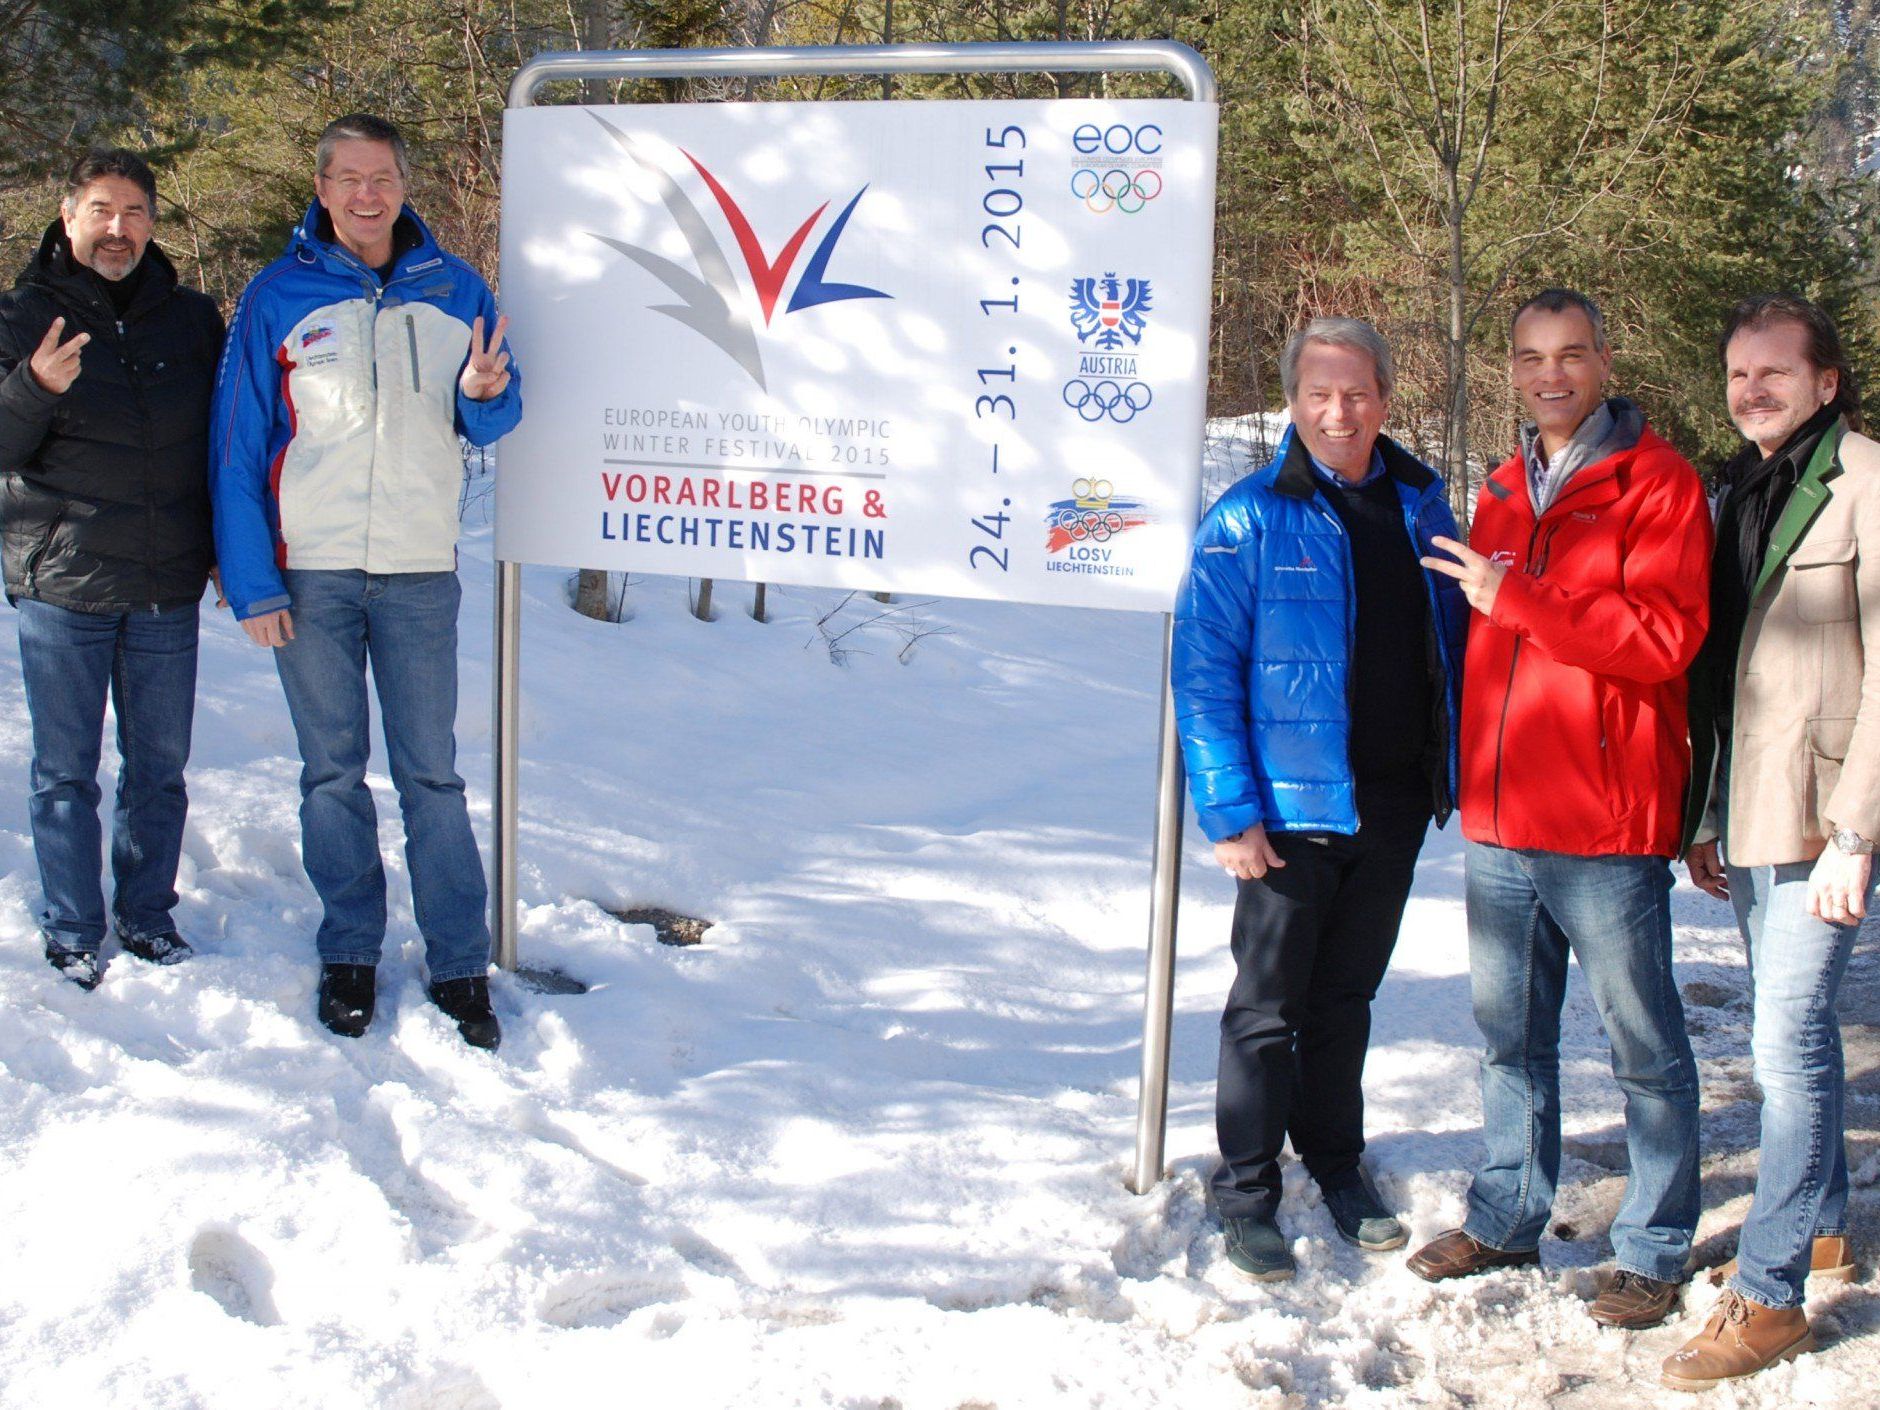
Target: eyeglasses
(351, 184)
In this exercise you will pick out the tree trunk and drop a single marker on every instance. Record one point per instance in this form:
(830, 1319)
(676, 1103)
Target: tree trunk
(1456, 364)
(590, 594)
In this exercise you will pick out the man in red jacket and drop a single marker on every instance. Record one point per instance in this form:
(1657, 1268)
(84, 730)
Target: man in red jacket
(1589, 576)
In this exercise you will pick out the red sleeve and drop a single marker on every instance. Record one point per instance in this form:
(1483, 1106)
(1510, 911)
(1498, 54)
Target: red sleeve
(1649, 627)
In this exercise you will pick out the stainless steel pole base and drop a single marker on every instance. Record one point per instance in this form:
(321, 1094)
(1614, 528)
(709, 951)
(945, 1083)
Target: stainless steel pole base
(1158, 1002)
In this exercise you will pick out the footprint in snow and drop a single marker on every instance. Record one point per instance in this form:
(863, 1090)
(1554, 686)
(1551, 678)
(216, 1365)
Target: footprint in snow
(237, 1275)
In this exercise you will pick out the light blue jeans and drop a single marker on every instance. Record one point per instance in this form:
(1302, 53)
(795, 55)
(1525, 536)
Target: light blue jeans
(1527, 910)
(406, 624)
(1796, 964)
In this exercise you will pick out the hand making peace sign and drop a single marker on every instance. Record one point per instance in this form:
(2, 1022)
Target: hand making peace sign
(54, 364)
(1480, 577)
(487, 372)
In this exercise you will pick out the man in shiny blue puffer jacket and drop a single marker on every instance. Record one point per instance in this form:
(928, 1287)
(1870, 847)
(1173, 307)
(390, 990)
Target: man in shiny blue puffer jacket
(1316, 677)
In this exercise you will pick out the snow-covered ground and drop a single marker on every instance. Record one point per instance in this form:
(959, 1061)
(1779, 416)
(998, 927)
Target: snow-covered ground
(863, 1147)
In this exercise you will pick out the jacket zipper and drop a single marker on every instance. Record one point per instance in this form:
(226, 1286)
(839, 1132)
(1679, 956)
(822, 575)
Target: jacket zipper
(1351, 615)
(376, 292)
(45, 546)
(411, 341)
(1537, 565)
(1514, 660)
(1445, 787)
(131, 375)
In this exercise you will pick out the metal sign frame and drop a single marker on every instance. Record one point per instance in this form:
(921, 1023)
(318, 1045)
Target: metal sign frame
(1176, 60)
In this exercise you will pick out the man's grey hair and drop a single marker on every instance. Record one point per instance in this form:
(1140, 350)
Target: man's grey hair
(1559, 301)
(1353, 333)
(361, 127)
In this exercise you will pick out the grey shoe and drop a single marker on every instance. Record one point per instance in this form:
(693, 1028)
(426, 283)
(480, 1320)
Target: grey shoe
(1361, 1218)
(1257, 1248)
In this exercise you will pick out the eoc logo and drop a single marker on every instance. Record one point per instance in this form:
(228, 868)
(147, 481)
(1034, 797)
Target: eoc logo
(1119, 139)
(1109, 309)
(1093, 515)
(713, 302)
(1116, 167)
(318, 333)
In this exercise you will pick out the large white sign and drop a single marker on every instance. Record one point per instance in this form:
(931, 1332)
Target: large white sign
(934, 347)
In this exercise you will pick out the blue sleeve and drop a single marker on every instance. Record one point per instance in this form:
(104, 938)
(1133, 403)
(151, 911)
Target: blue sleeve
(243, 424)
(482, 422)
(1208, 673)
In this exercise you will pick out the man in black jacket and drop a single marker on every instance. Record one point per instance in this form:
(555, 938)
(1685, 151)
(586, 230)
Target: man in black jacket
(106, 366)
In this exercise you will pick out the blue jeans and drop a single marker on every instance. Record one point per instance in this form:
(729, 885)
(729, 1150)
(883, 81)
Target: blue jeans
(1796, 963)
(1526, 910)
(406, 625)
(146, 663)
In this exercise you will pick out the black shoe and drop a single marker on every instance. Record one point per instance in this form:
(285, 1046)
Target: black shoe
(79, 966)
(1361, 1218)
(156, 949)
(1257, 1248)
(348, 994)
(468, 1001)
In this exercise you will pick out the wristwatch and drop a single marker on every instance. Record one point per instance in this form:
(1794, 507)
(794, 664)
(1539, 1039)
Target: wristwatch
(1851, 843)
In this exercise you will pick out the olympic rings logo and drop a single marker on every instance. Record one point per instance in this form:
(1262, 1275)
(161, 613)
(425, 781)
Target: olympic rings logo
(1116, 189)
(1106, 398)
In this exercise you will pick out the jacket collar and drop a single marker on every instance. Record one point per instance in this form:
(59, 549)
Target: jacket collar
(1296, 477)
(313, 242)
(1596, 484)
(54, 270)
(1809, 497)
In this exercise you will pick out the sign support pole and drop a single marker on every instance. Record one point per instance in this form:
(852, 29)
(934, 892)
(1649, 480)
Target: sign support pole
(1177, 60)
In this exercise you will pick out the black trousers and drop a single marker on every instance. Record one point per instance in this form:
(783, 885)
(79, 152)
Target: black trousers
(1311, 941)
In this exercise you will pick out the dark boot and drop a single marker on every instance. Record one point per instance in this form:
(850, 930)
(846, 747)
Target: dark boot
(1257, 1248)
(348, 994)
(156, 949)
(79, 966)
(468, 1001)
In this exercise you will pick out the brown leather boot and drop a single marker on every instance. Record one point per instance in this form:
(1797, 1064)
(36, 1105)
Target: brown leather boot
(1740, 1339)
(1832, 1261)
(1457, 1255)
(1631, 1301)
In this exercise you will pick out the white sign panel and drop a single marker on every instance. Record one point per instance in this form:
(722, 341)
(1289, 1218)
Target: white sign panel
(933, 347)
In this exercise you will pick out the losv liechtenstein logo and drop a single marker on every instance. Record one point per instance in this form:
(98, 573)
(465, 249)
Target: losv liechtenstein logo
(1094, 514)
(713, 300)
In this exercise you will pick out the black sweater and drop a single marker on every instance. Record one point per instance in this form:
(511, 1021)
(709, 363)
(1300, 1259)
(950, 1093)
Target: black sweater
(1392, 686)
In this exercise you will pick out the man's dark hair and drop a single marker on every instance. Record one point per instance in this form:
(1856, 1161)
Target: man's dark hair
(1559, 301)
(1825, 350)
(111, 161)
(361, 127)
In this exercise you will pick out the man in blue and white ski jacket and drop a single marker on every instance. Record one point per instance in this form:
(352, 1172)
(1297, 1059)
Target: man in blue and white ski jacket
(1315, 672)
(354, 363)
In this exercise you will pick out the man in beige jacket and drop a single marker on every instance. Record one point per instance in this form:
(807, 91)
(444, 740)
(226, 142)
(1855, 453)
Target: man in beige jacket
(1786, 702)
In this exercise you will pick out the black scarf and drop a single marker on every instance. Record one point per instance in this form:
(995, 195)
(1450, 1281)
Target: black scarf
(1756, 490)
